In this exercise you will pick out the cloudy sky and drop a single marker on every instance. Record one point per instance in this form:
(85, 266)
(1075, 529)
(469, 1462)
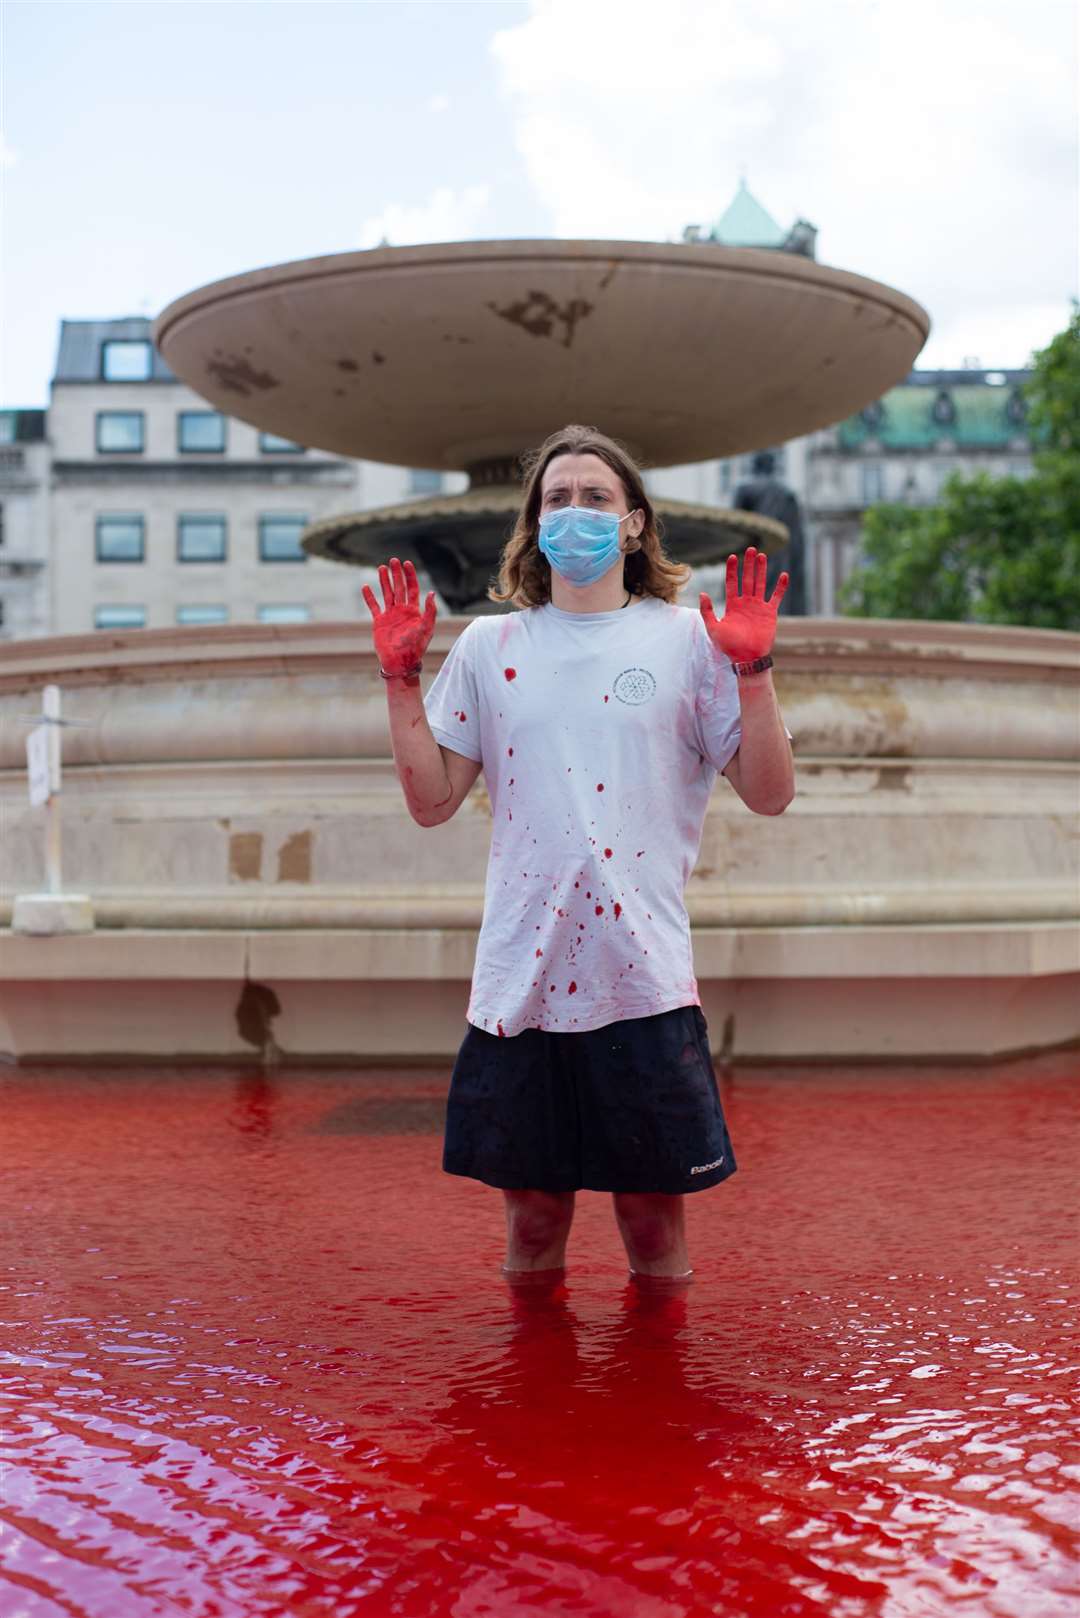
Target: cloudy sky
(149, 147)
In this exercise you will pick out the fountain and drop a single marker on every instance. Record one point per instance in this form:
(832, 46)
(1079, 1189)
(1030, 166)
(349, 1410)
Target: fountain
(230, 801)
(460, 357)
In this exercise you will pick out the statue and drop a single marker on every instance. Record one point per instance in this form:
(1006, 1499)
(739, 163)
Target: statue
(765, 494)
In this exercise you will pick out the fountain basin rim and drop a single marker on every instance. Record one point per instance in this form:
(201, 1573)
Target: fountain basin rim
(765, 263)
(857, 645)
(499, 501)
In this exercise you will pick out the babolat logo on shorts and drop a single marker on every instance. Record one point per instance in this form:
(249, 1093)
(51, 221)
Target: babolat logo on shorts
(702, 1168)
(634, 686)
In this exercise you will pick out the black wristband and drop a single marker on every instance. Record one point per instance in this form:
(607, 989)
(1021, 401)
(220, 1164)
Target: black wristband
(758, 666)
(401, 674)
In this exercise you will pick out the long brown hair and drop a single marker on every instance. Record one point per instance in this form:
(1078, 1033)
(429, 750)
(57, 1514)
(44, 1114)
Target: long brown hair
(525, 572)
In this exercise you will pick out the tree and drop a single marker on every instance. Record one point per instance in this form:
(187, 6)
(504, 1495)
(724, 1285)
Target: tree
(994, 550)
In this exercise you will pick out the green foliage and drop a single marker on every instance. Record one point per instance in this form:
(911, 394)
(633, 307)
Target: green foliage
(994, 550)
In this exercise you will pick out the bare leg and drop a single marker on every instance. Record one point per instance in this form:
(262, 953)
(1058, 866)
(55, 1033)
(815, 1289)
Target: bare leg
(537, 1225)
(653, 1228)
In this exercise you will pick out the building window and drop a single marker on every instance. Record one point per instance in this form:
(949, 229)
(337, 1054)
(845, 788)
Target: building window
(202, 615)
(119, 617)
(282, 613)
(1016, 409)
(200, 539)
(200, 432)
(873, 482)
(120, 538)
(120, 432)
(422, 482)
(723, 477)
(126, 360)
(944, 410)
(8, 426)
(271, 444)
(279, 539)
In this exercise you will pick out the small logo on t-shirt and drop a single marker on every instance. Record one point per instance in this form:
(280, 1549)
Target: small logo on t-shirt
(634, 686)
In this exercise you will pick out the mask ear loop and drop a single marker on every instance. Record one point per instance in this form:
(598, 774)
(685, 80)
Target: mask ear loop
(632, 543)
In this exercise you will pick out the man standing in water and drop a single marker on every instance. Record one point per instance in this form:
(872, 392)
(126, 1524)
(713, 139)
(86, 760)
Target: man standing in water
(600, 714)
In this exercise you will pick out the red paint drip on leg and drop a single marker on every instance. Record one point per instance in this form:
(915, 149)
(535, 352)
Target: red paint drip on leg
(511, 674)
(502, 1030)
(572, 989)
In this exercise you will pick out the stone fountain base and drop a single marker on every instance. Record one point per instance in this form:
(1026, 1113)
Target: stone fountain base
(261, 895)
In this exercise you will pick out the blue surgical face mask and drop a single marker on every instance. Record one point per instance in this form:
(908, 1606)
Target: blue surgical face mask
(581, 544)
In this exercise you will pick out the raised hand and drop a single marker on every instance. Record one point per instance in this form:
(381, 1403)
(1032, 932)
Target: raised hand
(401, 630)
(748, 628)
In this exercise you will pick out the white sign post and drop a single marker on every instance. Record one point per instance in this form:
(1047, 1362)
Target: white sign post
(53, 911)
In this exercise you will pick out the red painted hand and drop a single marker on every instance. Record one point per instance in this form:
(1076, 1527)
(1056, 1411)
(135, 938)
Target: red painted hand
(748, 627)
(401, 631)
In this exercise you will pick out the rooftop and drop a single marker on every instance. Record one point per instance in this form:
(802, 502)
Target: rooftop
(970, 409)
(81, 354)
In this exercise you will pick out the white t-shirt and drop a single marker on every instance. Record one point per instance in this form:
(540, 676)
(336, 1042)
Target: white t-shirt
(600, 735)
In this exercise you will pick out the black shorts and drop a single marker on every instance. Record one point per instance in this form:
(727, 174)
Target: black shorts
(633, 1106)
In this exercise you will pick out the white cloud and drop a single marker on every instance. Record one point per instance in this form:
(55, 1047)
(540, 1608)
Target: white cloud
(439, 103)
(8, 155)
(446, 216)
(934, 145)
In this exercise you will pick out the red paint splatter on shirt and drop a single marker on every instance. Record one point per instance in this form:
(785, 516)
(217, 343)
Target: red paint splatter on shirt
(605, 699)
(618, 911)
(639, 853)
(502, 1030)
(511, 674)
(510, 752)
(462, 716)
(599, 786)
(572, 989)
(607, 853)
(599, 910)
(539, 952)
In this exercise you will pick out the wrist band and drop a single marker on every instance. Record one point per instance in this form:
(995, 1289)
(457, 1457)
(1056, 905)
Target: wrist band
(401, 674)
(758, 666)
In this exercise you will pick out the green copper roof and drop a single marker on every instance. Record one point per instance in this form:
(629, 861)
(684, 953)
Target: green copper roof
(917, 417)
(746, 223)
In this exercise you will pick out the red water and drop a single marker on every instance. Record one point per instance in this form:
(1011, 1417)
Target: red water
(260, 1360)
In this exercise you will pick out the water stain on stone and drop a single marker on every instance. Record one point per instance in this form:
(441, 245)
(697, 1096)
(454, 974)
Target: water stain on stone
(245, 856)
(255, 1012)
(294, 858)
(237, 375)
(539, 314)
(377, 358)
(347, 365)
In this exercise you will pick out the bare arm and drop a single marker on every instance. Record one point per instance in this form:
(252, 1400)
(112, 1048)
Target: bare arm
(434, 779)
(762, 771)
